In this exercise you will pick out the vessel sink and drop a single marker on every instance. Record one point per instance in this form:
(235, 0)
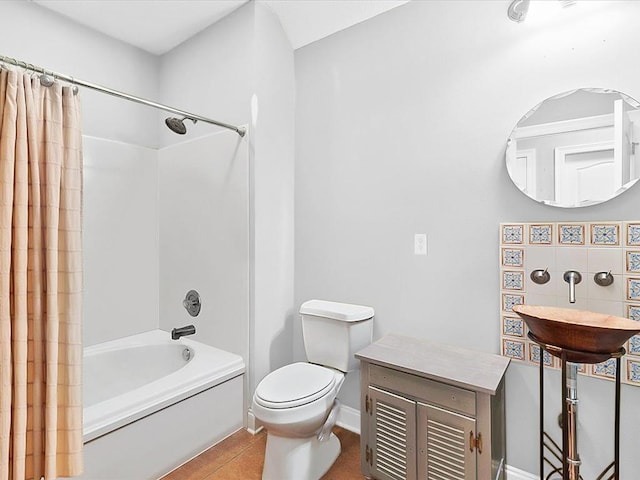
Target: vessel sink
(577, 330)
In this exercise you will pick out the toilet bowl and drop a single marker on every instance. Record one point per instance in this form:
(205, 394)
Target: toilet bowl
(296, 399)
(294, 404)
(297, 403)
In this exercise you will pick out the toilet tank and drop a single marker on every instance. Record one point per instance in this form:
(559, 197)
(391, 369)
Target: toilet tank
(333, 332)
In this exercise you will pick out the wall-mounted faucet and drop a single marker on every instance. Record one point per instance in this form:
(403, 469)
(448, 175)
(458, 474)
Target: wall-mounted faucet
(572, 278)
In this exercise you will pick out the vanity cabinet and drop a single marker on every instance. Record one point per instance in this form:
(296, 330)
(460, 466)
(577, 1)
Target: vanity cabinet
(430, 411)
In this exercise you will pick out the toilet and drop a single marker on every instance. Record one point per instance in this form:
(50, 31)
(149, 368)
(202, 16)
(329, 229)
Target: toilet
(297, 403)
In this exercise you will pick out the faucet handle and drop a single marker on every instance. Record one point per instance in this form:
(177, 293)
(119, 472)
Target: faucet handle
(540, 276)
(604, 279)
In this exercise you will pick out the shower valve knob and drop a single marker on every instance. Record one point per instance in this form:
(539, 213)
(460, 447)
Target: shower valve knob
(191, 303)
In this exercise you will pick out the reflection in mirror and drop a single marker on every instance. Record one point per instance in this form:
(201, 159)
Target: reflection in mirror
(577, 148)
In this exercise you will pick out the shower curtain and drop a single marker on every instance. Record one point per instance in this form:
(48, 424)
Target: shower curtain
(40, 279)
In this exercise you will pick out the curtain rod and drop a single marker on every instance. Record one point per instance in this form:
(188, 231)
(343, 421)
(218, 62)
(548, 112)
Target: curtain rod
(75, 81)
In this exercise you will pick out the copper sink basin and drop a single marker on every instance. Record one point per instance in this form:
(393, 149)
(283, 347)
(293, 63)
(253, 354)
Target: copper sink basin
(577, 330)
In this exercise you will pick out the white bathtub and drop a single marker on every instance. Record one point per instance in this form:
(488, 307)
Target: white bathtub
(151, 403)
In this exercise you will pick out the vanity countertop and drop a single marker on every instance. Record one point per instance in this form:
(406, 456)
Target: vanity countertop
(470, 369)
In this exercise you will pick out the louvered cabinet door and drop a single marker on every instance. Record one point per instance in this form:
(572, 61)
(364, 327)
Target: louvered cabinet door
(446, 445)
(392, 436)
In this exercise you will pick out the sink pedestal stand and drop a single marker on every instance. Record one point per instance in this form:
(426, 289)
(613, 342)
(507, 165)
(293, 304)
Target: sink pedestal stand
(568, 455)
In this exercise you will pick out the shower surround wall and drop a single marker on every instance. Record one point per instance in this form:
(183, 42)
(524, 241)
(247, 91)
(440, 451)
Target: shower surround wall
(158, 223)
(120, 239)
(203, 188)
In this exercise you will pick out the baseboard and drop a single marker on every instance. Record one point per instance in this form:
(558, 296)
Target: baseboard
(253, 426)
(513, 473)
(349, 419)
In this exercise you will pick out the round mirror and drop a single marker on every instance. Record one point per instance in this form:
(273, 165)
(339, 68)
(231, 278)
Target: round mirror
(577, 148)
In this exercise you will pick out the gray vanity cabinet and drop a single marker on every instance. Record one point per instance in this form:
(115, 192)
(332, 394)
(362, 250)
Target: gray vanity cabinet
(430, 411)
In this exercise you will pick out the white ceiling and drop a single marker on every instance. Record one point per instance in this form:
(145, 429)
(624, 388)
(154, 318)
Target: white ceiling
(157, 26)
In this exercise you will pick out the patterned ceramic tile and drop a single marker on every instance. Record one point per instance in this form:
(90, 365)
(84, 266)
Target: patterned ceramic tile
(534, 355)
(541, 234)
(633, 234)
(509, 301)
(633, 371)
(633, 289)
(605, 234)
(606, 369)
(513, 257)
(512, 326)
(571, 234)
(512, 280)
(566, 242)
(633, 312)
(512, 234)
(633, 261)
(633, 345)
(513, 349)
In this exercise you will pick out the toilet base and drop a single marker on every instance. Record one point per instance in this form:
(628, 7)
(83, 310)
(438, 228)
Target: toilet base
(298, 458)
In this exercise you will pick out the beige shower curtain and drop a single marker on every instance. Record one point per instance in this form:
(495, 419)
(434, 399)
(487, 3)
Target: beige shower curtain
(40, 280)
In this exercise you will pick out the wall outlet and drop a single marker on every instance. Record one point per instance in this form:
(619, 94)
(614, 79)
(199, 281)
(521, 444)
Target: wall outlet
(420, 244)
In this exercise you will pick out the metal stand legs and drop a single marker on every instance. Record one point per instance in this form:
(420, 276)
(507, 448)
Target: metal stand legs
(568, 456)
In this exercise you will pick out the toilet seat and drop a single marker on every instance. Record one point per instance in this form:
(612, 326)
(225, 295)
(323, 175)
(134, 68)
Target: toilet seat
(294, 385)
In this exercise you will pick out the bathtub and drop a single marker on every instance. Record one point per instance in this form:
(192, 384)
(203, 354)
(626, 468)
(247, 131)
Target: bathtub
(152, 403)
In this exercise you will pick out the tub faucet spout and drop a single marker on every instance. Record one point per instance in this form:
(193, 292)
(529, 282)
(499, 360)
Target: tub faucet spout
(176, 333)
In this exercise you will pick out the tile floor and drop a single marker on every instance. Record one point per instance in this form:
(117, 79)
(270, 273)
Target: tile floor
(241, 456)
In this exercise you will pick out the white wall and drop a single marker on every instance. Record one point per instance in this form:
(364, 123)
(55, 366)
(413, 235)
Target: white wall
(272, 182)
(36, 35)
(401, 124)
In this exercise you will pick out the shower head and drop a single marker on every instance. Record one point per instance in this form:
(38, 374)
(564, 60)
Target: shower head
(177, 124)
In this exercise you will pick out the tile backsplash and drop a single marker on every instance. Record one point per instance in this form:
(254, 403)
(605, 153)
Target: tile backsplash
(587, 247)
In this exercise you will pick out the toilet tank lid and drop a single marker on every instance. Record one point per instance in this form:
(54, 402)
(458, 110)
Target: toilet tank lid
(345, 312)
